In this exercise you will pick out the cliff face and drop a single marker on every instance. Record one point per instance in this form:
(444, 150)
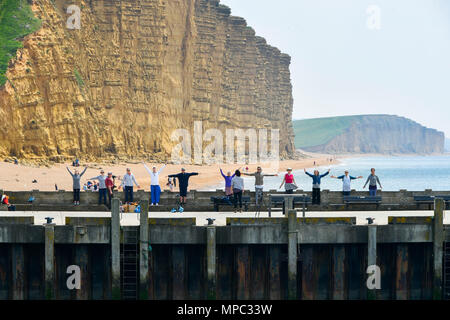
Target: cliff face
(383, 134)
(133, 73)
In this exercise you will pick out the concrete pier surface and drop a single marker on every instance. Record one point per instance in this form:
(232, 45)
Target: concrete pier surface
(133, 219)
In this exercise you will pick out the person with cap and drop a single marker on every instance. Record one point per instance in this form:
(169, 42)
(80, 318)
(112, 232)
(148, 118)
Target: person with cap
(259, 182)
(316, 177)
(109, 183)
(183, 182)
(102, 190)
(289, 182)
(155, 189)
(127, 185)
(76, 177)
(346, 181)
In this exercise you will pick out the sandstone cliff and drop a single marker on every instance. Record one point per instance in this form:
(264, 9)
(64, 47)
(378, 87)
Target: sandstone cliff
(135, 71)
(384, 134)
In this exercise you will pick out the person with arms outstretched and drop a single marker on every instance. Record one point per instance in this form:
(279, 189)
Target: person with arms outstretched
(183, 182)
(155, 189)
(76, 177)
(259, 182)
(316, 178)
(346, 182)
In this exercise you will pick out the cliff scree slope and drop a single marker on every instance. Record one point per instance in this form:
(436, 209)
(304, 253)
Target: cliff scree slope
(383, 134)
(134, 72)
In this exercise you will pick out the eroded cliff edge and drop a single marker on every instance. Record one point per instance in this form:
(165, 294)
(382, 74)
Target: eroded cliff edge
(134, 72)
(381, 134)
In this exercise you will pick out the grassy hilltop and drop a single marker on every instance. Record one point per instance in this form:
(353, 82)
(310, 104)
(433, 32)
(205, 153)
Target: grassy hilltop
(315, 132)
(16, 21)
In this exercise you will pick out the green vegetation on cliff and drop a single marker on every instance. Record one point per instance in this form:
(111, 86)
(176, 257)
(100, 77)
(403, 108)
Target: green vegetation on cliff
(16, 21)
(315, 132)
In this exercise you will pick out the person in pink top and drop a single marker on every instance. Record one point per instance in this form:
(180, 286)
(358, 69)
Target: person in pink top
(289, 182)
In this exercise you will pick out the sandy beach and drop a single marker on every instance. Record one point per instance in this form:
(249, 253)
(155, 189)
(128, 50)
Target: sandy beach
(20, 177)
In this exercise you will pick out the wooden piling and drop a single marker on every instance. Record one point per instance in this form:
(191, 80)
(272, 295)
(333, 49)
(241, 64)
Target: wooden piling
(292, 254)
(438, 247)
(371, 255)
(49, 230)
(211, 262)
(18, 271)
(143, 248)
(115, 249)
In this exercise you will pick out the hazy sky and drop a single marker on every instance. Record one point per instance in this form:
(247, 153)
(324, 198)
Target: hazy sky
(340, 66)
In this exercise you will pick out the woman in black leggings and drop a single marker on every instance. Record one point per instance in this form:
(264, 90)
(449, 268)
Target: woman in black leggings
(238, 187)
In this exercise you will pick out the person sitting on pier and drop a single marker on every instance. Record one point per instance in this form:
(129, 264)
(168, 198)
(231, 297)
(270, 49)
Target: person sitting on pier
(372, 179)
(127, 185)
(155, 189)
(259, 183)
(183, 182)
(76, 177)
(289, 182)
(237, 183)
(346, 181)
(317, 177)
(5, 201)
(102, 190)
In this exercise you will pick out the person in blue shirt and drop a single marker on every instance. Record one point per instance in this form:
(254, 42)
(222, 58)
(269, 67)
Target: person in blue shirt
(317, 177)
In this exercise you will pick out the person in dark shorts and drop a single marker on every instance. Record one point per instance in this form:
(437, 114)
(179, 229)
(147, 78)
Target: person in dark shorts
(183, 183)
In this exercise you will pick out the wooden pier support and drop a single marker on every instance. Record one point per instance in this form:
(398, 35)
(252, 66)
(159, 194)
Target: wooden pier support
(371, 255)
(438, 247)
(115, 249)
(49, 231)
(143, 249)
(292, 254)
(18, 271)
(211, 262)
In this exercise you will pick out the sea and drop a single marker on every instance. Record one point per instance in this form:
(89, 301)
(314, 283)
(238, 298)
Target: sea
(412, 173)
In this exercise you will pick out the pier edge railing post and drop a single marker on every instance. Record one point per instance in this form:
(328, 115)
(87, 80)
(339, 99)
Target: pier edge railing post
(143, 248)
(438, 247)
(49, 230)
(292, 254)
(115, 249)
(211, 262)
(371, 255)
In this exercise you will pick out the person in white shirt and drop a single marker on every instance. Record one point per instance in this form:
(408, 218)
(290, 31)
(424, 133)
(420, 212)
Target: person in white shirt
(127, 184)
(346, 182)
(155, 189)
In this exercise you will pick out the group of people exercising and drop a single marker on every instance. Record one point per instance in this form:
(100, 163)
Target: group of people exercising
(234, 184)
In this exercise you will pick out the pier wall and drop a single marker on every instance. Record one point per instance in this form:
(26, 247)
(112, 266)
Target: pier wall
(249, 258)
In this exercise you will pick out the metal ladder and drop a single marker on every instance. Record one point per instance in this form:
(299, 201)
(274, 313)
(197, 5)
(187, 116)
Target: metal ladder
(130, 261)
(446, 286)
